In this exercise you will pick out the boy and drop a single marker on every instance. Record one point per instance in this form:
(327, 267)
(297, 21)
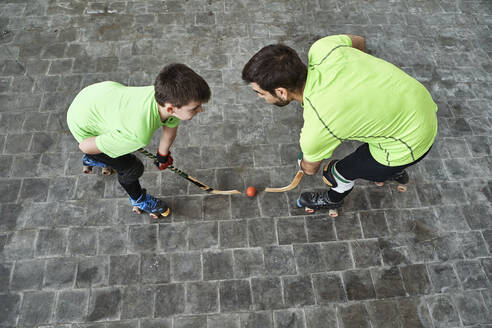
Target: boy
(110, 121)
(347, 95)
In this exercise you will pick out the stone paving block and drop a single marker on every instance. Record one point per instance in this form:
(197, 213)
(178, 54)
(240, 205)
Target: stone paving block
(447, 247)
(309, 258)
(36, 308)
(193, 321)
(112, 240)
(155, 268)
(443, 277)
(478, 216)
(9, 191)
(267, 293)
(472, 244)
(5, 270)
(203, 235)
(137, 302)
(61, 188)
(471, 274)
(443, 311)
(358, 284)
(366, 253)
(414, 313)
(104, 304)
(156, 323)
(202, 297)
(289, 318)
(71, 306)
(298, 291)
(11, 214)
(373, 224)
(261, 232)
(223, 321)
(383, 313)
(92, 272)
(348, 227)
(124, 269)
(273, 204)
(218, 265)
(387, 282)
(244, 207)
(291, 230)
(187, 209)
(60, 273)
(353, 315)
(336, 256)
(186, 266)
(51, 242)
(169, 300)
(279, 260)
(328, 288)
(216, 207)
(27, 275)
(11, 304)
(487, 235)
(248, 263)
(321, 316)
(233, 234)
(415, 279)
(82, 241)
(173, 237)
(471, 308)
(235, 295)
(34, 189)
(320, 228)
(256, 320)
(142, 238)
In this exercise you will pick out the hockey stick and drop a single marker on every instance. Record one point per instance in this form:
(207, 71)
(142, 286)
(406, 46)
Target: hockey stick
(193, 180)
(291, 186)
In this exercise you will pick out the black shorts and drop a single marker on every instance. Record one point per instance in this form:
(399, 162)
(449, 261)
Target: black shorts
(361, 165)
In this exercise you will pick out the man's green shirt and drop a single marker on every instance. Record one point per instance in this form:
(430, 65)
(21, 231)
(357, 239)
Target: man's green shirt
(121, 118)
(350, 95)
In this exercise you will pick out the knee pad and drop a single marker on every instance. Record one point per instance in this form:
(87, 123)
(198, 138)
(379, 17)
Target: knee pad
(334, 179)
(132, 173)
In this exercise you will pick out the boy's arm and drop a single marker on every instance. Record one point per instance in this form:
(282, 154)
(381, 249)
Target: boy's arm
(358, 42)
(167, 139)
(89, 146)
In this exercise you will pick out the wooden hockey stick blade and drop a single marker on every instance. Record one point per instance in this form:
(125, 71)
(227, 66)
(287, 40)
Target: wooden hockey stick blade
(291, 186)
(191, 179)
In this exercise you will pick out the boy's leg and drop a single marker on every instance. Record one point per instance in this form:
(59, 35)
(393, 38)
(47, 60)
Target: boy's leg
(129, 169)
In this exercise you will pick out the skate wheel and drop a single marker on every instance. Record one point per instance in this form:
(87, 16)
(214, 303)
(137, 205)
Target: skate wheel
(379, 184)
(136, 210)
(333, 213)
(309, 210)
(299, 202)
(401, 188)
(87, 169)
(106, 171)
(166, 213)
(153, 215)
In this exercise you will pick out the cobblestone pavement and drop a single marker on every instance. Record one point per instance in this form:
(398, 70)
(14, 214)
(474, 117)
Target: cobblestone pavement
(73, 255)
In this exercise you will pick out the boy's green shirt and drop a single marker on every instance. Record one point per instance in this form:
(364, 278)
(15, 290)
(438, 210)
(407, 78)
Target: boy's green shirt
(123, 119)
(351, 95)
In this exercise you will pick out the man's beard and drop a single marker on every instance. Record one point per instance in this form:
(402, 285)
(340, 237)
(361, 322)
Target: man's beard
(281, 103)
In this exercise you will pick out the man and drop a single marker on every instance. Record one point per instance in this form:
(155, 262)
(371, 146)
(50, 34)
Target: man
(110, 120)
(347, 95)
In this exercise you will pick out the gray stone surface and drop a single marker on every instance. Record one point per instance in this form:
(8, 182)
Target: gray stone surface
(72, 255)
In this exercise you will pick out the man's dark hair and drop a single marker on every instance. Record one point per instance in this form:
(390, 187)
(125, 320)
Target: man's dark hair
(274, 66)
(178, 84)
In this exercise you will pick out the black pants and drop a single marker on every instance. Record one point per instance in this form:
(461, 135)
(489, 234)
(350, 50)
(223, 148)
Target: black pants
(361, 165)
(129, 169)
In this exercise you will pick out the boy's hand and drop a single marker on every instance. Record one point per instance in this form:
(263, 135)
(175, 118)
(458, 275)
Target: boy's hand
(163, 161)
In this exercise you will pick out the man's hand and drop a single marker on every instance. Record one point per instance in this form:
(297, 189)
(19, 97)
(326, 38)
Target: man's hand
(163, 161)
(310, 168)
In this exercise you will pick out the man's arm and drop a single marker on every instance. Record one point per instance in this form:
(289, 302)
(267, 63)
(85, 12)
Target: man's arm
(358, 42)
(167, 139)
(310, 168)
(89, 146)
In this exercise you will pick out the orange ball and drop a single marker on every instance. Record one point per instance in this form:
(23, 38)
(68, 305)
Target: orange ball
(251, 191)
